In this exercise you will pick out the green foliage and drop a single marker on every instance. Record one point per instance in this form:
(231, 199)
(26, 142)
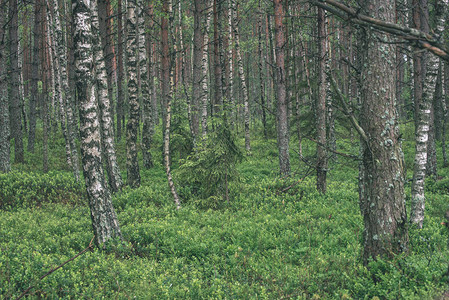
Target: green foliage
(208, 172)
(20, 189)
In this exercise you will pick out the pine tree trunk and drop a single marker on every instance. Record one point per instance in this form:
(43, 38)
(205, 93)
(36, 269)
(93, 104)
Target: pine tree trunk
(261, 74)
(104, 219)
(218, 87)
(15, 103)
(34, 76)
(5, 164)
(46, 75)
(168, 58)
(242, 78)
(321, 105)
(381, 177)
(197, 62)
(281, 95)
(133, 100)
(104, 96)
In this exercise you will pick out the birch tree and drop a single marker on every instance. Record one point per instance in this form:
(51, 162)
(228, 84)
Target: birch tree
(104, 219)
(5, 164)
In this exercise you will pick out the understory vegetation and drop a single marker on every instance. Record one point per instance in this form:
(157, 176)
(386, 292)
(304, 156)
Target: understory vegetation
(276, 238)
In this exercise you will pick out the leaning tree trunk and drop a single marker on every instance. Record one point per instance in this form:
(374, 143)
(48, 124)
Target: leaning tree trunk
(104, 219)
(104, 97)
(5, 164)
(381, 177)
(281, 94)
(133, 100)
(15, 103)
(242, 77)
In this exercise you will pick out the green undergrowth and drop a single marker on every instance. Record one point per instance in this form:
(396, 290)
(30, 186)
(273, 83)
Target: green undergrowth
(276, 239)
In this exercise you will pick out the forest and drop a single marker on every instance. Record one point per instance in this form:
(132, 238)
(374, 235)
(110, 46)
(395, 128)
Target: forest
(224, 149)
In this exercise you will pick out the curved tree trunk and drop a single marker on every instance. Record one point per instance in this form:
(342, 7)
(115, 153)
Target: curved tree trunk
(104, 219)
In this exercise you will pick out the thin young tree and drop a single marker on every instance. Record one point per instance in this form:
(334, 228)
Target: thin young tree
(104, 219)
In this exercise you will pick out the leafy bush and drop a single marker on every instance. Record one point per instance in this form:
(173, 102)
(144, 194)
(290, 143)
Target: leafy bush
(20, 189)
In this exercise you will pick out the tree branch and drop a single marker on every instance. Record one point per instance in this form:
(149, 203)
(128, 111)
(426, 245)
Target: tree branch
(414, 36)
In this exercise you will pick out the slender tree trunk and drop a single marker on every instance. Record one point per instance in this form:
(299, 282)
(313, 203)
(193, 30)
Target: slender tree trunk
(64, 99)
(147, 89)
(46, 75)
(119, 109)
(381, 178)
(218, 95)
(5, 164)
(104, 104)
(242, 78)
(281, 95)
(198, 39)
(15, 103)
(204, 70)
(133, 100)
(320, 107)
(445, 114)
(438, 103)
(104, 219)
(167, 90)
(261, 74)
(34, 76)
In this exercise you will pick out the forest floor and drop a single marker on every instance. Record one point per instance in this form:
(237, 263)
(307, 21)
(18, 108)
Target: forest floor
(277, 238)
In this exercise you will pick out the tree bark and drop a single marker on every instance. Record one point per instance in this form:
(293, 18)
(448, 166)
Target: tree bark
(15, 103)
(5, 164)
(321, 107)
(242, 78)
(104, 97)
(205, 69)
(119, 109)
(168, 58)
(282, 111)
(104, 219)
(198, 39)
(261, 59)
(34, 97)
(133, 120)
(381, 177)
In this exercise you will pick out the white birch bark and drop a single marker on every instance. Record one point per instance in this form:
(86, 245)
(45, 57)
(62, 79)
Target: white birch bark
(205, 68)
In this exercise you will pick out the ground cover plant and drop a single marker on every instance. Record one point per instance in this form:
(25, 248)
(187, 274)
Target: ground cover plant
(277, 238)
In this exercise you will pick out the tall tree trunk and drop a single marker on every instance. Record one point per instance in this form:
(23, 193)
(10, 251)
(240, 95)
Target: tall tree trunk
(218, 87)
(119, 109)
(168, 58)
(242, 78)
(34, 75)
(204, 70)
(15, 103)
(46, 75)
(281, 95)
(104, 96)
(381, 178)
(197, 62)
(261, 74)
(147, 88)
(5, 164)
(133, 100)
(63, 84)
(320, 107)
(104, 219)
